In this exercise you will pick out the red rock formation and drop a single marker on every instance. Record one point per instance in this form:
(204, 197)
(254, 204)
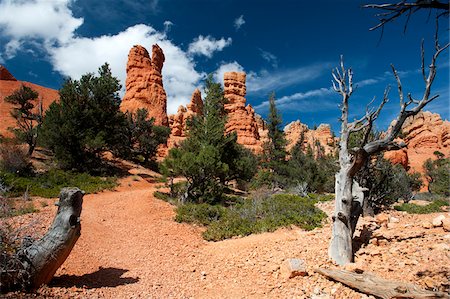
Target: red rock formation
(178, 121)
(322, 135)
(144, 86)
(424, 134)
(8, 84)
(399, 157)
(241, 118)
(6, 75)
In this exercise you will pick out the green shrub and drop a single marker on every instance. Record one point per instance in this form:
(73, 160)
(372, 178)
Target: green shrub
(433, 207)
(321, 197)
(49, 184)
(162, 195)
(11, 208)
(437, 173)
(248, 216)
(203, 214)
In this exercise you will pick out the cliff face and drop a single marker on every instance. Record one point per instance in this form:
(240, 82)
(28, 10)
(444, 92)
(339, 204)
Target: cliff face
(178, 122)
(241, 118)
(424, 134)
(9, 84)
(322, 136)
(144, 85)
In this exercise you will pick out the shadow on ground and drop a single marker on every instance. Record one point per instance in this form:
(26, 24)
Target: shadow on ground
(103, 277)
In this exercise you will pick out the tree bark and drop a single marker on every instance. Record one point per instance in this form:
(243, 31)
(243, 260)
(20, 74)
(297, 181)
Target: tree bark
(380, 287)
(46, 255)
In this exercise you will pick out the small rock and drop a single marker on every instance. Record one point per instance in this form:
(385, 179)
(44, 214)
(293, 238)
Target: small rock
(292, 268)
(438, 220)
(394, 219)
(427, 225)
(203, 273)
(391, 225)
(446, 224)
(382, 219)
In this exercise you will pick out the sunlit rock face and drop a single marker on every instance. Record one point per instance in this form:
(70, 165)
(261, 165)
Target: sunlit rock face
(424, 134)
(320, 140)
(9, 84)
(144, 85)
(178, 122)
(241, 118)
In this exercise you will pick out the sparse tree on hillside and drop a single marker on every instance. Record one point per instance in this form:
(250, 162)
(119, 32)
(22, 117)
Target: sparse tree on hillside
(437, 173)
(143, 136)
(86, 121)
(28, 121)
(275, 149)
(349, 195)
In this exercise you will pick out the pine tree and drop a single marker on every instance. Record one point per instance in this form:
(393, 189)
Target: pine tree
(28, 121)
(86, 121)
(275, 149)
(209, 158)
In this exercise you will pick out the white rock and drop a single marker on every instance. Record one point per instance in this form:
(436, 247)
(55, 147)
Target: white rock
(438, 220)
(394, 219)
(293, 267)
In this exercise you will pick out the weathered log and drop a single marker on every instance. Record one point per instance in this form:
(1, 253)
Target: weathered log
(377, 286)
(46, 255)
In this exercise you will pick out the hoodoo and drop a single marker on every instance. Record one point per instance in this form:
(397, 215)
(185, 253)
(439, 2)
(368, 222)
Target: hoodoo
(144, 84)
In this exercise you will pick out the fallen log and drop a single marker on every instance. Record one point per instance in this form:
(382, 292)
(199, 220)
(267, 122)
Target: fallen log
(377, 286)
(36, 262)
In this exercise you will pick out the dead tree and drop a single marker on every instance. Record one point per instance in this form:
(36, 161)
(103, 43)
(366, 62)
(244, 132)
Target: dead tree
(349, 195)
(392, 11)
(37, 262)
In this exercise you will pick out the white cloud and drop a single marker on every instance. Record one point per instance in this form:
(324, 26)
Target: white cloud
(50, 26)
(84, 55)
(287, 101)
(167, 26)
(51, 21)
(238, 22)
(266, 81)
(227, 67)
(269, 57)
(207, 45)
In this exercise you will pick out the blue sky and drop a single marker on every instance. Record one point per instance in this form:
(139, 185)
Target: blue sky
(284, 46)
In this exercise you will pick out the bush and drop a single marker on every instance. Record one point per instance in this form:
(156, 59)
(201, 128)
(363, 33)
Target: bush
(387, 183)
(49, 184)
(433, 207)
(256, 215)
(14, 274)
(14, 158)
(203, 214)
(437, 173)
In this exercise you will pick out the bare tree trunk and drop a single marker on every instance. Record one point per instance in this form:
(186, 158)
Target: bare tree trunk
(380, 287)
(46, 255)
(349, 200)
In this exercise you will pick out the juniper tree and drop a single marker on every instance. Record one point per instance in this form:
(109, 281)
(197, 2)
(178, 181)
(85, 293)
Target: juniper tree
(86, 121)
(28, 120)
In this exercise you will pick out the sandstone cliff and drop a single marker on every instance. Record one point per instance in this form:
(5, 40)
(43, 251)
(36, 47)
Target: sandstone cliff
(144, 85)
(9, 84)
(424, 134)
(321, 136)
(241, 118)
(178, 122)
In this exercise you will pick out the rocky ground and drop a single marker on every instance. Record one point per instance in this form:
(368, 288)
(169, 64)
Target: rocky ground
(130, 247)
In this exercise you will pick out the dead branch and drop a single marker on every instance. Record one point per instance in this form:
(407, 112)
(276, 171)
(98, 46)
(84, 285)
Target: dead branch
(391, 11)
(377, 286)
